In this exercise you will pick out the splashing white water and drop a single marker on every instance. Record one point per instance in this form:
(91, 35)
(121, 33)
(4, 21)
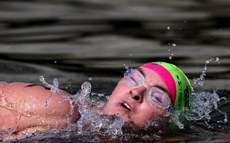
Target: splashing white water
(90, 121)
(199, 81)
(203, 103)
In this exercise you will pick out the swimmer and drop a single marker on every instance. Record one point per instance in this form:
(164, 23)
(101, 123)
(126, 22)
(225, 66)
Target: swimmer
(143, 93)
(149, 91)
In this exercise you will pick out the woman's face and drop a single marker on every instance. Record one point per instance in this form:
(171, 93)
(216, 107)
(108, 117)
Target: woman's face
(131, 103)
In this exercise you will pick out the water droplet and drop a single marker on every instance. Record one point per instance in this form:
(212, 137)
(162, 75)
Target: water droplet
(225, 118)
(217, 59)
(172, 51)
(173, 44)
(86, 88)
(170, 57)
(126, 66)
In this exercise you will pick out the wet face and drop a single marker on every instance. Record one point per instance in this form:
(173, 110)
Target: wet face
(132, 104)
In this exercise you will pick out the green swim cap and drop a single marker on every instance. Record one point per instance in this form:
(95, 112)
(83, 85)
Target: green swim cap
(176, 81)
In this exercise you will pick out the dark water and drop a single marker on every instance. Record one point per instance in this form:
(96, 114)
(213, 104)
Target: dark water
(79, 40)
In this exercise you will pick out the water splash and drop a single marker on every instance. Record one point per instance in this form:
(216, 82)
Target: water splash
(90, 120)
(178, 118)
(53, 88)
(126, 66)
(171, 50)
(203, 103)
(199, 81)
(91, 125)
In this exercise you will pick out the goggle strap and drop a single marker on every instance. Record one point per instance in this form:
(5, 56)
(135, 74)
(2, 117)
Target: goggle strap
(170, 109)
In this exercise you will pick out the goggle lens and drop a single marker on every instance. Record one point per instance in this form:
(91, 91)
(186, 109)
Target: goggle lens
(134, 78)
(158, 98)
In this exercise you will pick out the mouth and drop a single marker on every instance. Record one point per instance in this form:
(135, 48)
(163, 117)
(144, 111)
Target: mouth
(125, 106)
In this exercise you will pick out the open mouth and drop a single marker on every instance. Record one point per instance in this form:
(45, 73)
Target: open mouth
(125, 105)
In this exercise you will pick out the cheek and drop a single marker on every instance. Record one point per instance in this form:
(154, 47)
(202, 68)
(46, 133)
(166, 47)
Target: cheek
(120, 89)
(119, 92)
(153, 110)
(147, 112)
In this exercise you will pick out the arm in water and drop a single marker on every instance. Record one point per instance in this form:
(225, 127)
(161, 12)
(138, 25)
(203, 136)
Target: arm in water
(26, 108)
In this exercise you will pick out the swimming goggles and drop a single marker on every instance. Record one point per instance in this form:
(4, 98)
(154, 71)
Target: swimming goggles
(155, 96)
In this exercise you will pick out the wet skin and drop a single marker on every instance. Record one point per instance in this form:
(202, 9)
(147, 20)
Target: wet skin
(140, 109)
(22, 109)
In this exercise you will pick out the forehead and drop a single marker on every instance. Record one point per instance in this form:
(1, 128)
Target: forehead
(152, 77)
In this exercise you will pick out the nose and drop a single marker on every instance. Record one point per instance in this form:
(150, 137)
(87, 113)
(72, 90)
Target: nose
(138, 93)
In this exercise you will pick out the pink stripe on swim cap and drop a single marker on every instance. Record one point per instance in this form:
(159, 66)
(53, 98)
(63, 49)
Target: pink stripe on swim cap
(165, 76)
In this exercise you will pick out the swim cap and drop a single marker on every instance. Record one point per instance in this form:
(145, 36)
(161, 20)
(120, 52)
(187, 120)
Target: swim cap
(176, 81)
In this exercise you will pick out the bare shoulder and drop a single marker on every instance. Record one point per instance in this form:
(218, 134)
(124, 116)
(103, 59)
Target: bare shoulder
(22, 106)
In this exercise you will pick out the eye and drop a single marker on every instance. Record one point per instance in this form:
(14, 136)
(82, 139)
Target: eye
(157, 97)
(132, 81)
(133, 78)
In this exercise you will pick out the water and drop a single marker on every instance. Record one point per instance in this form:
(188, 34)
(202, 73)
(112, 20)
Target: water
(73, 41)
(171, 50)
(96, 128)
